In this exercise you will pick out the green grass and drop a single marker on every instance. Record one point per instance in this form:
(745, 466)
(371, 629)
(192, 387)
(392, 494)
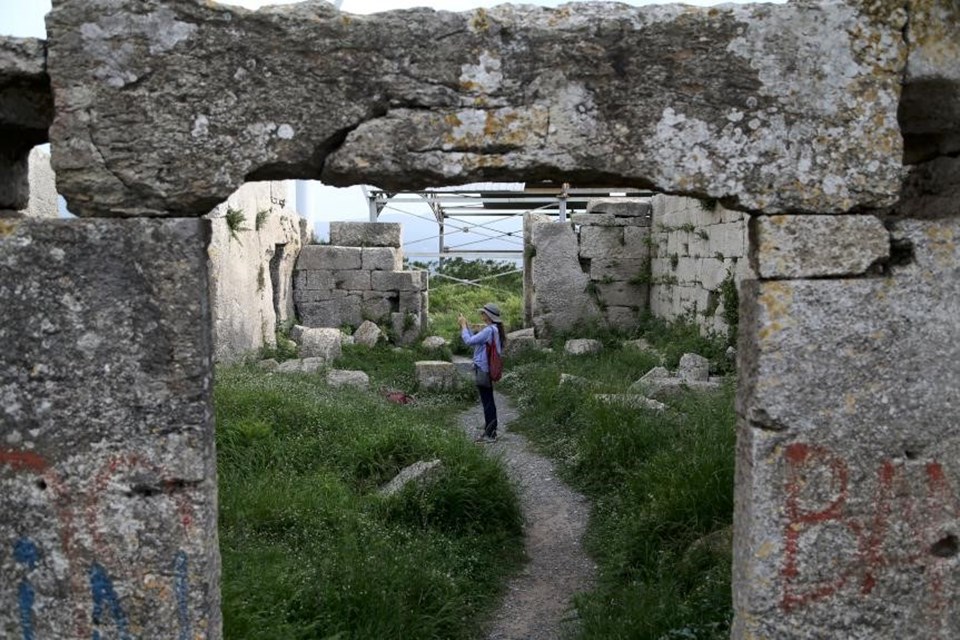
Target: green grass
(309, 548)
(661, 486)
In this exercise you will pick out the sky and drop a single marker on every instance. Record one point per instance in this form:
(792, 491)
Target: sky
(323, 203)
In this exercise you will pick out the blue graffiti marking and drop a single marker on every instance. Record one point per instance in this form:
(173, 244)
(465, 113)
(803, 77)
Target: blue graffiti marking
(181, 587)
(102, 589)
(25, 553)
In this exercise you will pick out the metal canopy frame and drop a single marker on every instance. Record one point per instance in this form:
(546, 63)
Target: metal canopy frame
(490, 200)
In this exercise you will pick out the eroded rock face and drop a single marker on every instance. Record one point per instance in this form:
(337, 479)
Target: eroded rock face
(169, 106)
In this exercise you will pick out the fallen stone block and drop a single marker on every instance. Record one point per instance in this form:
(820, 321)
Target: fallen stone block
(419, 472)
(436, 375)
(320, 343)
(693, 368)
(434, 342)
(576, 382)
(268, 365)
(582, 346)
(520, 344)
(367, 334)
(313, 364)
(632, 400)
(345, 378)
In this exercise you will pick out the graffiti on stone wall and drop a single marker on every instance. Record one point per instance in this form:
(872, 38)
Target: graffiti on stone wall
(97, 606)
(847, 537)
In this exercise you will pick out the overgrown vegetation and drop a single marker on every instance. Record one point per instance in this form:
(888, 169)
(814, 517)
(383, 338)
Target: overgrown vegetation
(661, 485)
(309, 547)
(731, 305)
(235, 219)
(261, 218)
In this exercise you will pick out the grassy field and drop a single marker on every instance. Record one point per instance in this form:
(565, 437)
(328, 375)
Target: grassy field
(310, 550)
(661, 486)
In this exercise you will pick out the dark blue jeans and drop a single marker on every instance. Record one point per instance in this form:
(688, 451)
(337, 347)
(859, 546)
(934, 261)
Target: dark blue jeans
(489, 410)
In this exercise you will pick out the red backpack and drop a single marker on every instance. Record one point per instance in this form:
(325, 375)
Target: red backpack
(494, 360)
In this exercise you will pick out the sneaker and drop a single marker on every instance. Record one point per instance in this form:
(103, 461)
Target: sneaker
(484, 438)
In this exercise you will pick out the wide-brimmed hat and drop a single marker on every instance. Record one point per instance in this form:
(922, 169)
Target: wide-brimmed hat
(492, 311)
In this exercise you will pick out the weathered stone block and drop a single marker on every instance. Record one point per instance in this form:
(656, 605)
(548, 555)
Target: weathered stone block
(367, 334)
(693, 368)
(352, 280)
(848, 460)
(411, 302)
(319, 314)
(327, 257)
(622, 208)
(582, 346)
(382, 259)
(406, 327)
(377, 305)
(600, 242)
(636, 242)
(560, 297)
(812, 246)
(606, 220)
(622, 294)
(625, 269)
(396, 280)
(623, 318)
(436, 375)
(365, 234)
(107, 468)
(320, 342)
(319, 279)
(337, 378)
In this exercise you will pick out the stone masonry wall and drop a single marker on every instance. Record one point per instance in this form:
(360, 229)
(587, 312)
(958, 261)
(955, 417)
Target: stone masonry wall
(589, 271)
(696, 246)
(359, 277)
(251, 268)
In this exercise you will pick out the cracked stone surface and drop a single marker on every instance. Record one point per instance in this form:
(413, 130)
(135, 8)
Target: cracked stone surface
(166, 107)
(107, 464)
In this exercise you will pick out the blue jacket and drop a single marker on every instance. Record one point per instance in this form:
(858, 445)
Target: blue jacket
(479, 342)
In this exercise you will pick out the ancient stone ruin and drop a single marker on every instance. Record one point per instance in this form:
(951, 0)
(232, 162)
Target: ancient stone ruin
(669, 256)
(359, 276)
(254, 245)
(834, 125)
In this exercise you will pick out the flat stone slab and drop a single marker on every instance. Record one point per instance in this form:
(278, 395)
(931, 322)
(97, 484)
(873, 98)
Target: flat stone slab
(107, 464)
(344, 378)
(632, 400)
(418, 472)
